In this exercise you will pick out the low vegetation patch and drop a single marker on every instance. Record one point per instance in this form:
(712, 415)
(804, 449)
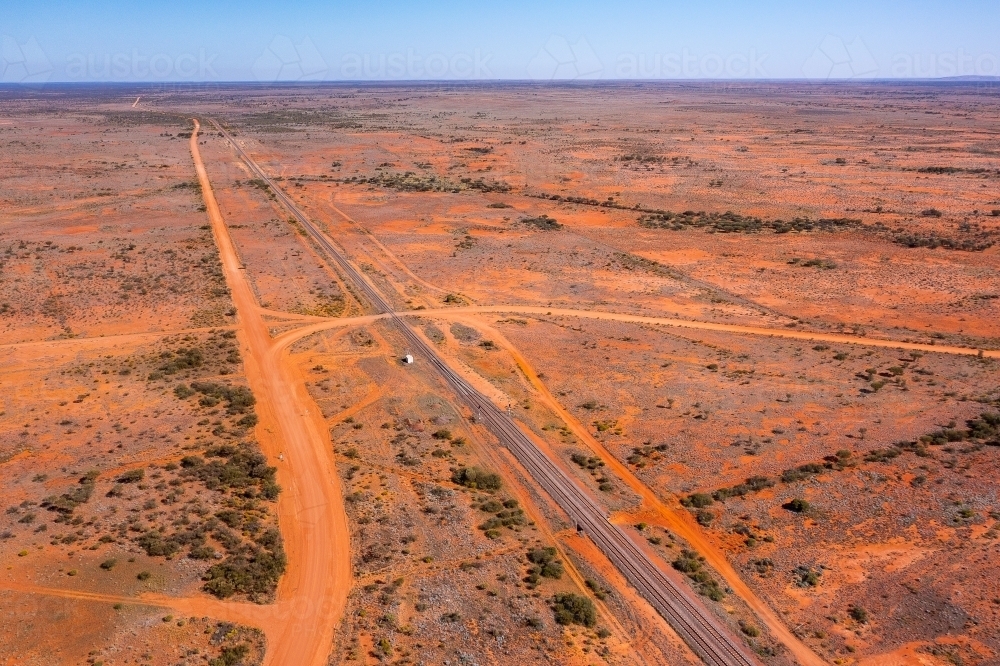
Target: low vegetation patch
(544, 565)
(474, 477)
(692, 565)
(410, 181)
(542, 223)
(730, 222)
(572, 608)
(506, 513)
(979, 432)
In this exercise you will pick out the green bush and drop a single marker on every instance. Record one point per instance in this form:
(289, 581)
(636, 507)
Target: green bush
(251, 570)
(182, 359)
(572, 608)
(753, 484)
(132, 476)
(67, 502)
(239, 399)
(697, 500)
(474, 477)
(546, 565)
(797, 505)
(691, 564)
(231, 656)
(243, 469)
(542, 222)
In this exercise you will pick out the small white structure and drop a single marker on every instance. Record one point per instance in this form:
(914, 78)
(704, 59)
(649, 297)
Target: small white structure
(408, 359)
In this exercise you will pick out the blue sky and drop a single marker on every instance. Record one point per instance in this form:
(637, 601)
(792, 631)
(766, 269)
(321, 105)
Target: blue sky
(108, 40)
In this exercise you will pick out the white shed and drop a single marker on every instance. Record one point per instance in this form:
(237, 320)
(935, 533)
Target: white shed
(408, 359)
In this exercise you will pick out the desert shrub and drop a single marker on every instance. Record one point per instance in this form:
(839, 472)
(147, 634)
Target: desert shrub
(443, 433)
(882, 455)
(132, 476)
(806, 576)
(859, 614)
(802, 472)
(67, 502)
(596, 588)
(248, 421)
(181, 359)
(144, 575)
(239, 399)
(542, 222)
(231, 656)
(985, 427)
(243, 469)
(251, 570)
(586, 462)
(230, 517)
(491, 506)
(183, 391)
(646, 453)
(109, 564)
(692, 565)
(751, 485)
(572, 608)
(698, 500)
(704, 518)
(546, 565)
(507, 514)
(474, 477)
(464, 333)
(944, 436)
(749, 629)
(605, 425)
(797, 505)
(156, 544)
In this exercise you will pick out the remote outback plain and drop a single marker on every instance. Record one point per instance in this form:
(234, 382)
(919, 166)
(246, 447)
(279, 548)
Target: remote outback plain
(500, 374)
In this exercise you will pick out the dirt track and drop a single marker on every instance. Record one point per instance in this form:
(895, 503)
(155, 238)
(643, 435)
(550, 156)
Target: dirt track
(711, 326)
(313, 591)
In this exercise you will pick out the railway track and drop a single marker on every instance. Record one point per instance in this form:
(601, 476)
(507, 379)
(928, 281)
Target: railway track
(705, 635)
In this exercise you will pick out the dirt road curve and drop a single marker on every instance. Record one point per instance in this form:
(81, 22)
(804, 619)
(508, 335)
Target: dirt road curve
(678, 605)
(313, 592)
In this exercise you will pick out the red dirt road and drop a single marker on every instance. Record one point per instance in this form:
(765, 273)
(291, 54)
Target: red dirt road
(313, 592)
